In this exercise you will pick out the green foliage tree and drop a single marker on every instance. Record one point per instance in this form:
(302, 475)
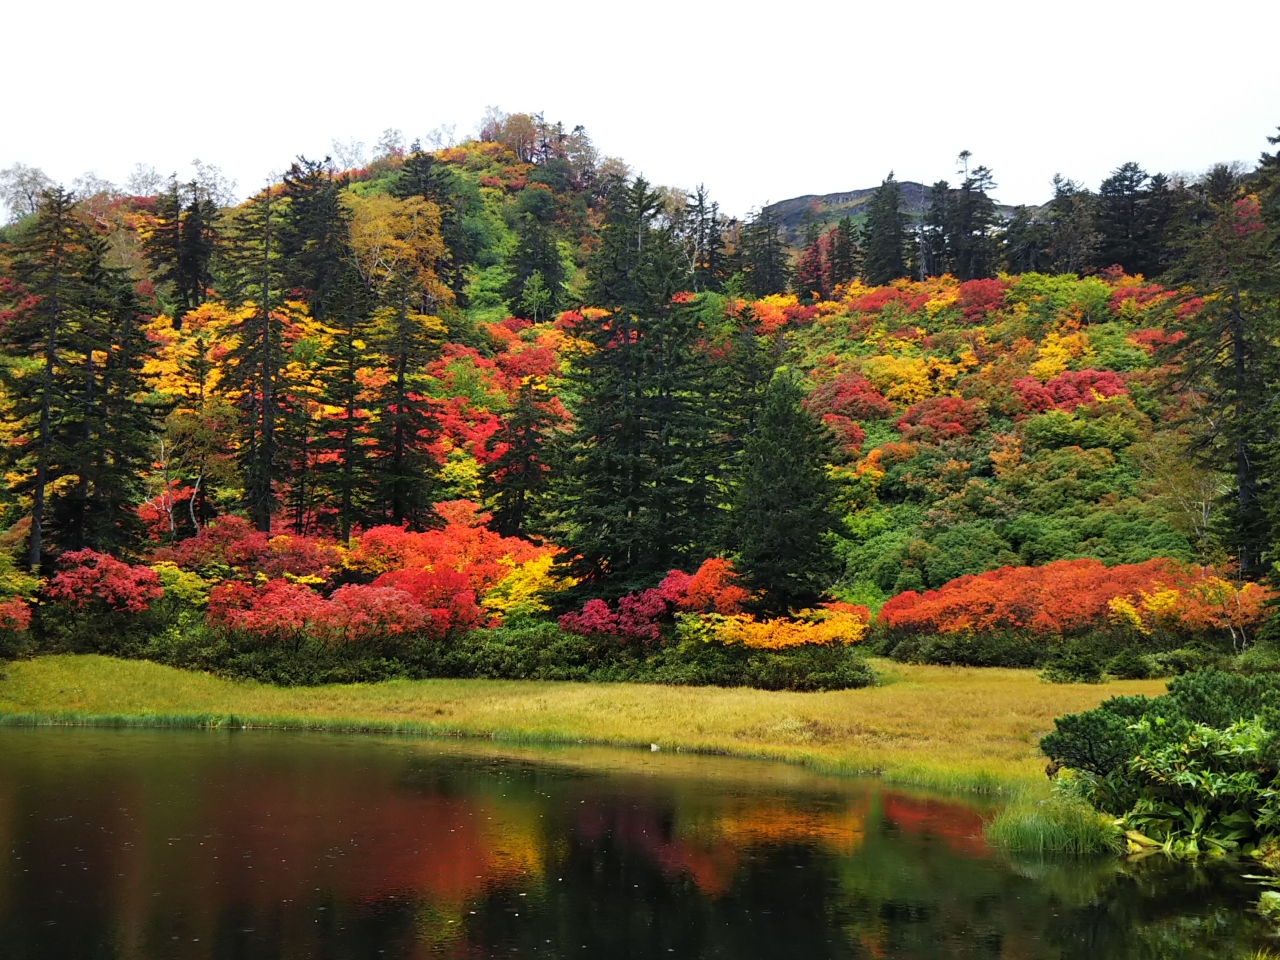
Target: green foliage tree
(1231, 358)
(884, 238)
(634, 497)
(182, 245)
(536, 253)
(783, 502)
(75, 393)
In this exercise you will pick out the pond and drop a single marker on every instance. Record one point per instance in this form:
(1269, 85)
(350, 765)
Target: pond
(192, 844)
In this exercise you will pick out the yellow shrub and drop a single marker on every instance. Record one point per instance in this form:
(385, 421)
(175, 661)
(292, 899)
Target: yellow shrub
(521, 591)
(820, 627)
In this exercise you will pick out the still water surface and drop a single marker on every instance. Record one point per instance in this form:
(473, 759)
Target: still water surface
(184, 844)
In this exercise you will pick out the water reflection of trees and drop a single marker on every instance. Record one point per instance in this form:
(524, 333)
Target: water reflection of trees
(288, 847)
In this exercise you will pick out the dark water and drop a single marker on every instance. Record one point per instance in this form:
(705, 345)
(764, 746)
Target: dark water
(130, 844)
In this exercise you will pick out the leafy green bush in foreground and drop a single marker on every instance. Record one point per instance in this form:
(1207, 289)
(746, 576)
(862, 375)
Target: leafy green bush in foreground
(1193, 772)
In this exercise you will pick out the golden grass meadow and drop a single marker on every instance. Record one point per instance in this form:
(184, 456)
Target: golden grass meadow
(952, 728)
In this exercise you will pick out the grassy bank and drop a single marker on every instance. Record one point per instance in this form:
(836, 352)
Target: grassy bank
(946, 727)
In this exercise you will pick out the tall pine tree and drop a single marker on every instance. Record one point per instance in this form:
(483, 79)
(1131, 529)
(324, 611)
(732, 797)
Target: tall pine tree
(884, 235)
(783, 503)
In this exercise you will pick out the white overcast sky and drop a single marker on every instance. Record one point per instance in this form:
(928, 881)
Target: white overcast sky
(760, 101)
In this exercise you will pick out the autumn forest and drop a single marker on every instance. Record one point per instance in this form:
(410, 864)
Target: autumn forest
(504, 408)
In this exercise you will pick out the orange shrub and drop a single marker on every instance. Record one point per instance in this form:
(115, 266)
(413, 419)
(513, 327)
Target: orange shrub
(1076, 596)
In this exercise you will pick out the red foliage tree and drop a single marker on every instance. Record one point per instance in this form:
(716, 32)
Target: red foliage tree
(232, 543)
(942, 418)
(15, 615)
(358, 612)
(275, 610)
(713, 589)
(849, 395)
(980, 298)
(1069, 389)
(89, 577)
(446, 597)
(1059, 599)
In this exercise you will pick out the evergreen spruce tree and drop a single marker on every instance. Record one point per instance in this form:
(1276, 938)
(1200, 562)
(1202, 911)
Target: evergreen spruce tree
(314, 233)
(422, 175)
(762, 257)
(182, 246)
(843, 255)
(402, 465)
(253, 274)
(1072, 236)
(1120, 218)
(705, 241)
(48, 265)
(885, 235)
(633, 498)
(1024, 242)
(517, 480)
(935, 251)
(970, 240)
(783, 503)
(536, 253)
(1231, 358)
(76, 397)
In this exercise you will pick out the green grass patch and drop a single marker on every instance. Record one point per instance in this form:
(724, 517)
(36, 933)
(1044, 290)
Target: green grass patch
(1053, 827)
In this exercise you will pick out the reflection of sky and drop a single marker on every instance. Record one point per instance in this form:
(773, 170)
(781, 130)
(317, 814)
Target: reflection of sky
(153, 844)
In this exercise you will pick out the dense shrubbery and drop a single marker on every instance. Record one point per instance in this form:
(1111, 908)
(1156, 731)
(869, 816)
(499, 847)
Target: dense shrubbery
(1075, 617)
(458, 601)
(1193, 772)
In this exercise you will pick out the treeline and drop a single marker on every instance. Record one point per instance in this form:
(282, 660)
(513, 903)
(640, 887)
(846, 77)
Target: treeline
(1139, 223)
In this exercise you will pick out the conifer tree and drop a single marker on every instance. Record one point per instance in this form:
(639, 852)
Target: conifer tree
(762, 255)
(517, 479)
(843, 254)
(182, 245)
(423, 175)
(1231, 358)
(885, 235)
(633, 497)
(75, 398)
(536, 253)
(253, 274)
(314, 233)
(705, 241)
(783, 502)
(46, 296)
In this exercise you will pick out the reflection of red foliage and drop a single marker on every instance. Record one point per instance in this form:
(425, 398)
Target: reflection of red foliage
(957, 826)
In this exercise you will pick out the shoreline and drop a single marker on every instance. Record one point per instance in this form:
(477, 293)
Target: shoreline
(954, 729)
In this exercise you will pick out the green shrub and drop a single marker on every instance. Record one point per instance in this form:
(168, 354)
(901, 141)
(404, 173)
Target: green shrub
(1072, 666)
(966, 650)
(521, 651)
(1131, 665)
(1192, 770)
